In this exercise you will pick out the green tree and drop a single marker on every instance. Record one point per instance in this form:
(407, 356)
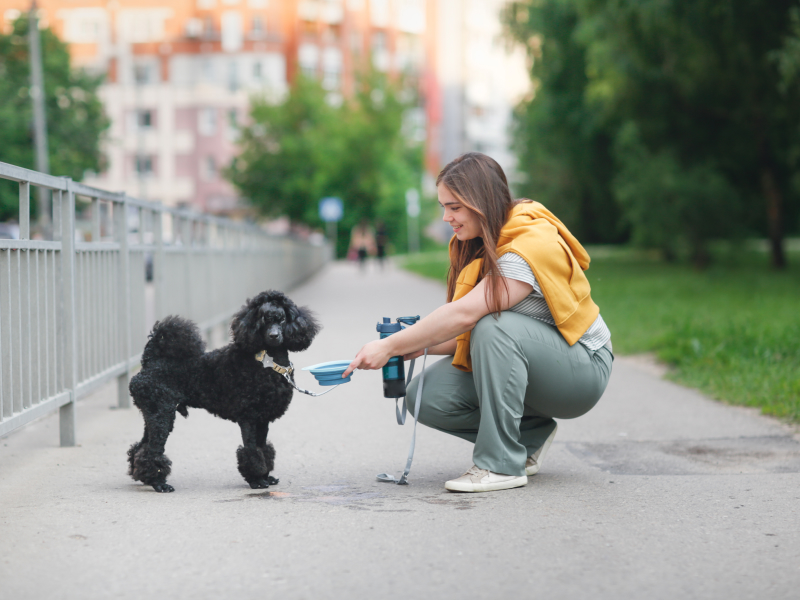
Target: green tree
(302, 149)
(706, 100)
(75, 118)
(563, 142)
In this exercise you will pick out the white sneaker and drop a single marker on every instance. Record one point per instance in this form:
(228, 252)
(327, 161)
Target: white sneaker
(534, 462)
(482, 480)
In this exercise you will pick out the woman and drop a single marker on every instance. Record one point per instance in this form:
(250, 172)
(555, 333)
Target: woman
(528, 343)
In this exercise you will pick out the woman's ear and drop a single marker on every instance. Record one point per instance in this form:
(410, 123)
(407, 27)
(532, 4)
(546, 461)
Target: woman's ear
(300, 329)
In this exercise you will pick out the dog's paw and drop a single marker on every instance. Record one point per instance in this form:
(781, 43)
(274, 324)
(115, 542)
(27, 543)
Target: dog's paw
(260, 484)
(163, 488)
(272, 480)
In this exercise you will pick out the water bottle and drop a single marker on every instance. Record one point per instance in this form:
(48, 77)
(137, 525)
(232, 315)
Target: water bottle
(394, 373)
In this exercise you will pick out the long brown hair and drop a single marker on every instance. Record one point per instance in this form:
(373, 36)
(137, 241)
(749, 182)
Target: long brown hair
(479, 183)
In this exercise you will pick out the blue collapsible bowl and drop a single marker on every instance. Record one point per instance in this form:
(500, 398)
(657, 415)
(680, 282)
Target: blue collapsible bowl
(330, 373)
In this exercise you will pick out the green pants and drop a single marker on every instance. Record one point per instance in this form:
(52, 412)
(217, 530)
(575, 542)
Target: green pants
(524, 374)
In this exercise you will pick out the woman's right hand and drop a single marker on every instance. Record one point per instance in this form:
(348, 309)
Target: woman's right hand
(371, 356)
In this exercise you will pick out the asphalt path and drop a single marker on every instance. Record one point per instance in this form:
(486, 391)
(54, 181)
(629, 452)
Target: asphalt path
(657, 493)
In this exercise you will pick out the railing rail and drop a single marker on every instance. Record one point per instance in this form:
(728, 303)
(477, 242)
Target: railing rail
(75, 314)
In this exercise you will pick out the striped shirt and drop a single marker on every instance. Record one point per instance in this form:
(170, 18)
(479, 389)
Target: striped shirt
(513, 266)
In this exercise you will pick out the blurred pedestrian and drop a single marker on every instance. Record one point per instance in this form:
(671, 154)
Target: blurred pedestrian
(362, 241)
(381, 239)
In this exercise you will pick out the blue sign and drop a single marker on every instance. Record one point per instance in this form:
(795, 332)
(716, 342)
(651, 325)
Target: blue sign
(331, 209)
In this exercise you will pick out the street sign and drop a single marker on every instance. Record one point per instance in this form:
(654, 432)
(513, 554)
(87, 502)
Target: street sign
(331, 209)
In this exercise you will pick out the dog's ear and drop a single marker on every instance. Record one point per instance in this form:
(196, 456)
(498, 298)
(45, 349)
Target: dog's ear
(244, 327)
(300, 328)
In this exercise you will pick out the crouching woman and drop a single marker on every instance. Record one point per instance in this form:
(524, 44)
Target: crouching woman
(527, 341)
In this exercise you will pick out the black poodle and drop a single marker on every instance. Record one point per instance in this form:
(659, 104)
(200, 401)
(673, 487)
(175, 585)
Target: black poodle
(230, 382)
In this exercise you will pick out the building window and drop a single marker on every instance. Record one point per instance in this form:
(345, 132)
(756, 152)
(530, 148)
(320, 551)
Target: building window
(207, 121)
(332, 11)
(144, 119)
(332, 68)
(209, 168)
(233, 76)
(143, 165)
(308, 57)
(380, 51)
(379, 41)
(379, 13)
(207, 69)
(258, 70)
(208, 27)
(258, 26)
(232, 31)
(144, 73)
(233, 124)
(308, 10)
(194, 28)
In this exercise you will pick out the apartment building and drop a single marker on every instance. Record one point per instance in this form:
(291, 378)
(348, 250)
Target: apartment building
(180, 77)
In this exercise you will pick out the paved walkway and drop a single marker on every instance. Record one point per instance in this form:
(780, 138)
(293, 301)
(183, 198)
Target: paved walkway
(657, 493)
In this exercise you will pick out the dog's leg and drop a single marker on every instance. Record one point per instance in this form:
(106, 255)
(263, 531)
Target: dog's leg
(250, 458)
(149, 464)
(133, 450)
(267, 450)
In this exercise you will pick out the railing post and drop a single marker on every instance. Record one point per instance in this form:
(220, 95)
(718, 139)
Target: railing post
(24, 210)
(186, 240)
(69, 345)
(158, 263)
(121, 233)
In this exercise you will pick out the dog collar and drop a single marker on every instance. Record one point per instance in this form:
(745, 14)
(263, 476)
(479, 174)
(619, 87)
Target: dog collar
(267, 361)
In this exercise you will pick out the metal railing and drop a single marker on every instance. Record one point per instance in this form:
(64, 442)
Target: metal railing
(75, 314)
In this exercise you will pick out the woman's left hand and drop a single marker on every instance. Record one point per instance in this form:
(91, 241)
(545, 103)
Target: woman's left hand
(372, 356)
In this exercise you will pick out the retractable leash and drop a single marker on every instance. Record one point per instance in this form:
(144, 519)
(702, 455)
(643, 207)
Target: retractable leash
(395, 387)
(385, 477)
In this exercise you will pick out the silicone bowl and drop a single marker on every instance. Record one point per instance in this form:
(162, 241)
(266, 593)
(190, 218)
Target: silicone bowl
(330, 373)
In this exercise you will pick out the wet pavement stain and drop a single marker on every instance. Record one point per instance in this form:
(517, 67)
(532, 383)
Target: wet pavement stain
(266, 496)
(340, 499)
(764, 454)
(349, 496)
(456, 501)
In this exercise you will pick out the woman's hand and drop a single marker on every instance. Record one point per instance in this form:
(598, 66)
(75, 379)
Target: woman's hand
(372, 356)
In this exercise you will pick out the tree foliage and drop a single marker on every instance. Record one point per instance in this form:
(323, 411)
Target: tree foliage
(75, 118)
(563, 143)
(295, 152)
(699, 100)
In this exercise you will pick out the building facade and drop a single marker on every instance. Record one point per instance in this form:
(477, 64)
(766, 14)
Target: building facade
(180, 76)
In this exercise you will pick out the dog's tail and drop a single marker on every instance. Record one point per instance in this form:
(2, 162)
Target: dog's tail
(173, 338)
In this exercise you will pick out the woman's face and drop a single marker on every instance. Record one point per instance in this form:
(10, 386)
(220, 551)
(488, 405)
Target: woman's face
(464, 222)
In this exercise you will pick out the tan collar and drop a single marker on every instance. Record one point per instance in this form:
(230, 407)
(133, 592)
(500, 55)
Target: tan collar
(267, 361)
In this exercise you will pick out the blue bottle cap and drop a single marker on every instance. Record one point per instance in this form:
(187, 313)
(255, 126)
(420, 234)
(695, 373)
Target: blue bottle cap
(387, 326)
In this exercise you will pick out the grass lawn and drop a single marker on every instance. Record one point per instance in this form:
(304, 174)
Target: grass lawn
(732, 331)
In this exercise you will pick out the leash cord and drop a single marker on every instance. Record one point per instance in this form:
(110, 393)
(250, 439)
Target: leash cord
(385, 477)
(302, 391)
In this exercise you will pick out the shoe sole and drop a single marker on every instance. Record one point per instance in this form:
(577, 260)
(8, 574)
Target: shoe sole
(535, 468)
(455, 486)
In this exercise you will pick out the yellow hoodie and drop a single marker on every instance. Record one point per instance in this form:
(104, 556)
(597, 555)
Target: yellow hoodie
(557, 260)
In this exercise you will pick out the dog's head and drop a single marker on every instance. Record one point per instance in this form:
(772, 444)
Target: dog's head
(271, 321)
